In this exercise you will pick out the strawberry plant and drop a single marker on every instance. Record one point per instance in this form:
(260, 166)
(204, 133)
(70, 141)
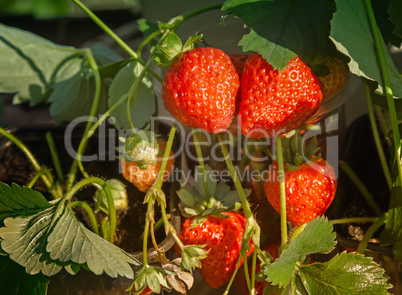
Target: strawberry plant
(296, 56)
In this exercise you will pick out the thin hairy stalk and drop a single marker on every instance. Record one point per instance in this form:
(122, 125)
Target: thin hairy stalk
(166, 155)
(37, 176)
(361, 187)
(202, 166)
(369, 233)
(377, 139)
(47, 178)
(150, 209)
(353, 220)
(73, 171)
(387, 84)
(90, 213)
(55, 156)
(229, 285)
(282, 188)
(97, 181)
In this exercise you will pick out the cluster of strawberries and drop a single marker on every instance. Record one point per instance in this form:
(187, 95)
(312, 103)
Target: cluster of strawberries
(206, 88)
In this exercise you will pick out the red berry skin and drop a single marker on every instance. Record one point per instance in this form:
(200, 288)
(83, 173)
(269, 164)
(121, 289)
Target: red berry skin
(200, 89)
(223, 238)
(310, 190)
(238, 60)
(275, 102)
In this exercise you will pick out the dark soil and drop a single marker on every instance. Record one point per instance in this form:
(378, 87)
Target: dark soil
(360, 153)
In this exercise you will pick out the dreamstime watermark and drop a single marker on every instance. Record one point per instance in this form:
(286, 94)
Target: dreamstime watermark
(110, 146)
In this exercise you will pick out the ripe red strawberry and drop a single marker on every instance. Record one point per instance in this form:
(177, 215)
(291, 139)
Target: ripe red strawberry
(223, 238)
(144, 176)
(276, 102)
(238, 60)
(309, 190)
(200, 89)
(146, 291)
(334, 82)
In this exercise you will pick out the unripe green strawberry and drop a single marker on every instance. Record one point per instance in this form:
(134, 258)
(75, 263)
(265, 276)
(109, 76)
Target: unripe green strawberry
(310, 190)
(334, 82)
(144, 176)
(223, 238)
(275, 102)
(200, 89)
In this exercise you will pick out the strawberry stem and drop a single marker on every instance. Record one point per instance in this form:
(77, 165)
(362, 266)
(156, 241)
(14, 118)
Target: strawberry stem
(282, 189)
(150, 209)
(370, 232)
(55, 156)
(246, 206)
(361, 187)
(159, 179)
(376, 136)
(90, 213)
(202, 166)
(47, 178)
(353, 220)
(386, 84)
(229, 285)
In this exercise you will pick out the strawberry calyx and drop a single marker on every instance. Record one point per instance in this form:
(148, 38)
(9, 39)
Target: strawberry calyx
(152, 277)
(197, 203)
(297, 152)
(167, 52)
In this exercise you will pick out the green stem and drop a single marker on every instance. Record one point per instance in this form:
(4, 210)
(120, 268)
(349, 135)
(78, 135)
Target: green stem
(150, 209)
(96, 181)
(297, 232)
(202, 166)
(159, 179)
(55, 156)
(47, 178)
(37, 176)
(361, 187)
(246, 271)
(369, 233)
(246, 206)
(134, 90)
(282, 188)
(376, 136)
(104, 27)
(353, 220)
(146, 41)
(229, 285)
(90, 213)
(387, 85)
(253, 269)
(86, 136)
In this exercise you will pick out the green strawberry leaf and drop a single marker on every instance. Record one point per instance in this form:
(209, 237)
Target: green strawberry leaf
(17, 201)
(395, 12)
(28, 64)
(345, 274)
(104, 55)
(53, 238)
(24, 238)
(70, 240)
(384, 23)
(15, 281)
(355, 40)
(282, 29)
(143, 105)
(317, 237)
(147, 27)
(73, 93)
